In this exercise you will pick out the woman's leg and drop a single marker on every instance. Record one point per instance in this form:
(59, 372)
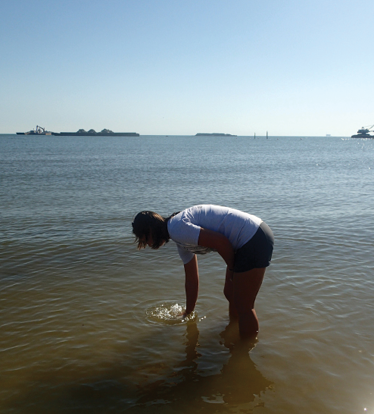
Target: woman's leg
(246, 286)
(228, 293)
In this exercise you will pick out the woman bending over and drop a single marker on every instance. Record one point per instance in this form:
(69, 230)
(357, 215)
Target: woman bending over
(244, 241)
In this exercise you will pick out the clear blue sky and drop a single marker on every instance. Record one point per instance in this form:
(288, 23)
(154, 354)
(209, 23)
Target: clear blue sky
(290, 67)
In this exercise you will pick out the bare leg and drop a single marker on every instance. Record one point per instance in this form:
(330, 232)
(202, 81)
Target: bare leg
(228, 293)
(246, 286)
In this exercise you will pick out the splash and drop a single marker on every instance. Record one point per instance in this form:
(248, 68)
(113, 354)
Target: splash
(168, 313)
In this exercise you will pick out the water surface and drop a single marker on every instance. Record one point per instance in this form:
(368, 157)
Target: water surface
(79, 324)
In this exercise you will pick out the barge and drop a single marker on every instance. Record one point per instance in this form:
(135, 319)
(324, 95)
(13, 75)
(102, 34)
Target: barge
(364, 132)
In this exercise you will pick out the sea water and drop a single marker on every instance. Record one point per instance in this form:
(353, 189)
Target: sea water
(89, 324)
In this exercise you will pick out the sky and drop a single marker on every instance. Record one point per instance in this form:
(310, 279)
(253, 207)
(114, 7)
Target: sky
(179, 67)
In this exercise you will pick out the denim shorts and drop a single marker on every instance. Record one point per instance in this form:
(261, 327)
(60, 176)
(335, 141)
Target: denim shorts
(257, 252)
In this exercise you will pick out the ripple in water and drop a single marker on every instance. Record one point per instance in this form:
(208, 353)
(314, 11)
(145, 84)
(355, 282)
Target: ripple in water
(169, 313)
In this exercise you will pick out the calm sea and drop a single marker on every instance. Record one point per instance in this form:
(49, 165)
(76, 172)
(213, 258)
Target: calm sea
(86, 320)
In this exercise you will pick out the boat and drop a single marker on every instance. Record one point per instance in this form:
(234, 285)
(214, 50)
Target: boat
(364, 132)
(93, 133)
(37, 131)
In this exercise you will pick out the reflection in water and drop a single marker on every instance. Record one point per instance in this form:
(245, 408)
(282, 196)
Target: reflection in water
(180, 388)
(186, 390)
(243, 381)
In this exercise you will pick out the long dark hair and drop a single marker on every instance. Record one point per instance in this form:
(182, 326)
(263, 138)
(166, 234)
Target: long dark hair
(148, 223)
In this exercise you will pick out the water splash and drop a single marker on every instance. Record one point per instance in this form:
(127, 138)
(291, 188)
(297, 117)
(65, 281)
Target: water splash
(170, 313)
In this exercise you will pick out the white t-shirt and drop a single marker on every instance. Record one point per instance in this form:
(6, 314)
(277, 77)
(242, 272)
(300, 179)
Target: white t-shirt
(184, 228)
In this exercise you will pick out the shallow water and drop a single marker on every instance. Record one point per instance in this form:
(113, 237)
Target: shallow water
(89, 324)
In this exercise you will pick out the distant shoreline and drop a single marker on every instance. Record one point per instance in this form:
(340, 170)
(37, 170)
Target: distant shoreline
(213, 134)
(188, 135)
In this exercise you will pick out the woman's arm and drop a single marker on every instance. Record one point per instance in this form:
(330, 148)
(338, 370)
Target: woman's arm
(191, 284)
(220, 243)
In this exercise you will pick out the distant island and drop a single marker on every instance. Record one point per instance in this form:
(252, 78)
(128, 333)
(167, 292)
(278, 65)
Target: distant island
(218, 134)
(93, 133)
